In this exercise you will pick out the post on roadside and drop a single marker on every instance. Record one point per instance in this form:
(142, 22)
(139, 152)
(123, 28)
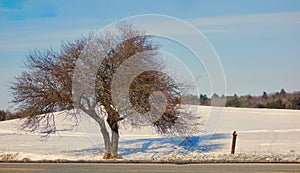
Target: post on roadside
(234, 135)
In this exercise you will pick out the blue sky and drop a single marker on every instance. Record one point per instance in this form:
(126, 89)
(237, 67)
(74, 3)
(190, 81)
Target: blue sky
(258, 41)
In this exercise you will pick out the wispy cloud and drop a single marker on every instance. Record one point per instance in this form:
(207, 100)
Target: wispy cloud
(60, 30)
(252, 24)
(272, 22)
(43, 33)
(278, 18)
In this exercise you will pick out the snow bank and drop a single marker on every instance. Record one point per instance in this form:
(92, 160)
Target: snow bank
(264, 135)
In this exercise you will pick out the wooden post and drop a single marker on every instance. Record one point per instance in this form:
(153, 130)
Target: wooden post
(234, 135)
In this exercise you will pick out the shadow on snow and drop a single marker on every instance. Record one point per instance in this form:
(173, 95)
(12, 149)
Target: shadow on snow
(163, 145)
(181, 145)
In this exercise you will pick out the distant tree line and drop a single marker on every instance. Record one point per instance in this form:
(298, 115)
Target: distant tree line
(7, 115)
(278, 100)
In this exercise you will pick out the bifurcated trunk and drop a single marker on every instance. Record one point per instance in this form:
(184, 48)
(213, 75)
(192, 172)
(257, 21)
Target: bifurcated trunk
(112, 119)
(111, 144)
(107, 142)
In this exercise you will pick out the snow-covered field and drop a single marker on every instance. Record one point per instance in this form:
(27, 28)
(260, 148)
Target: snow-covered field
(263, 135)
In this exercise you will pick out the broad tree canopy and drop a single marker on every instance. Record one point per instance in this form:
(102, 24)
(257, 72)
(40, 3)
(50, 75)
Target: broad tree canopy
(116, 72)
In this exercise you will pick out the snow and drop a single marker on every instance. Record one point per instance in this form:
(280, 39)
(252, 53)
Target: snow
(265, 135)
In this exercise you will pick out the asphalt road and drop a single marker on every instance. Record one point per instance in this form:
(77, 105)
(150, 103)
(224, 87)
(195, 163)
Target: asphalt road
(143, 168)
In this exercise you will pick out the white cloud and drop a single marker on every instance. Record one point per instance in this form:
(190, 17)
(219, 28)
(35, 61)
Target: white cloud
(278, 22)
(267, 23)
(40, 40)
(42, 33)
(282, 18)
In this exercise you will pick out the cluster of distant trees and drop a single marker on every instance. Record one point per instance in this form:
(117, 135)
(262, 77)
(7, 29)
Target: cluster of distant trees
(278, 100)
(7, 115)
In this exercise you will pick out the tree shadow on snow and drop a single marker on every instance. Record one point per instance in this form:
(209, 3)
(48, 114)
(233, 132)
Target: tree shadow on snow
(163, 145)
(181, 145)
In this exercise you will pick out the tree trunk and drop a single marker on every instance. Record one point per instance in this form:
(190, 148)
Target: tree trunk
(105, 134)
(114, 144)
(112, 119)
(107, 144)
(111, 144)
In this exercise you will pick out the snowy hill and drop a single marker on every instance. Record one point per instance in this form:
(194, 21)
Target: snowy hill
(264, 134)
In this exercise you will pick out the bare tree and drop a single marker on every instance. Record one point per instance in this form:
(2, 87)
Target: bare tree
(46, 85)
(88, 75)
